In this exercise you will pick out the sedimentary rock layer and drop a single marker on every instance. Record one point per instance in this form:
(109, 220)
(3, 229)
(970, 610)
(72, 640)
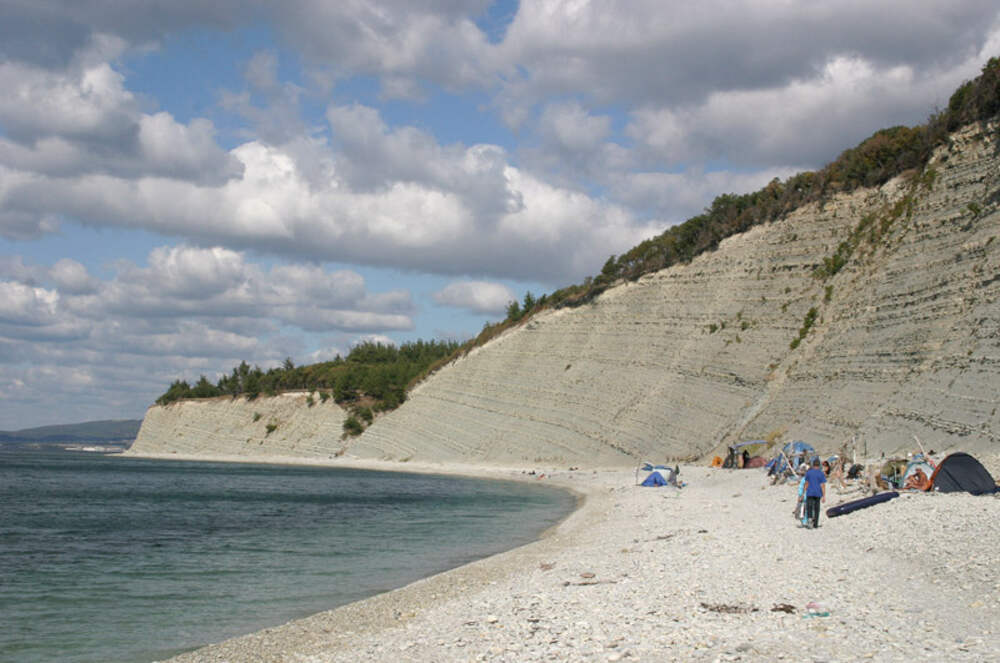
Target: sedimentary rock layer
(905, 341)
(284, 425)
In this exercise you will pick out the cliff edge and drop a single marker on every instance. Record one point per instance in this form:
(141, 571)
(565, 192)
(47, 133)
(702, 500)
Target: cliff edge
(279, 426)
(874, 315)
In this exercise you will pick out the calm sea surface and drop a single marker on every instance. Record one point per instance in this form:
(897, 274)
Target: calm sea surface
(111, 559)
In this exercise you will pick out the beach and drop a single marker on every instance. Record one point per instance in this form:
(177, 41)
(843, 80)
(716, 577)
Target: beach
(716, 571)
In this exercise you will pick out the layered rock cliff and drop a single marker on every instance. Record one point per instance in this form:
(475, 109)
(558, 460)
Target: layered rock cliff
(284, 425)
(903, 340)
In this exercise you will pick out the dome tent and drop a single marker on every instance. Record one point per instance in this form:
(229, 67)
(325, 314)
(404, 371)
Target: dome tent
(655, 479)
(796, 453)
(960, 472)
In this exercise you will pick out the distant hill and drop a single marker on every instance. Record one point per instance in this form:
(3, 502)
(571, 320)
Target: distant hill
(111, 431)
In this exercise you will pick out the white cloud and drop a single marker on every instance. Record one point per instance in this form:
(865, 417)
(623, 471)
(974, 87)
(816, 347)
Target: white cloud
(398, 40)
(371, 157)
(374, 338)
(215, 289)
(628, 116)
(683, 195)
(188, 311)
(24, 305)
(71, 277)
(191, 339)
(642, 52)
(219, 283)
(84, 102)
(83, 120)
(14, 268)
(183, 151)
(262, 71)
(844, 104)
(390, 197)
(323, 354)
(192, 273)
(479, 296)
(569, 127)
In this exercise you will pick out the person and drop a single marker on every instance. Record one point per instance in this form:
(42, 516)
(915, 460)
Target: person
(838, 474)
(672, 480)
(917, 481)
(815, 492)
(800, 503)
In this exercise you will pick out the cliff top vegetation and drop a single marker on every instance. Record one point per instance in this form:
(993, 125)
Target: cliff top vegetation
(877, 159)
(374, 372)
(380, 375)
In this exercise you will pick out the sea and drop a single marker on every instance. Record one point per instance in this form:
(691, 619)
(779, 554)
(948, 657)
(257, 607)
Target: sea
(119, 560)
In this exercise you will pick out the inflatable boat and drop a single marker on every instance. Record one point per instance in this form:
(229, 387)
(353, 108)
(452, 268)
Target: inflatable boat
(864, 502)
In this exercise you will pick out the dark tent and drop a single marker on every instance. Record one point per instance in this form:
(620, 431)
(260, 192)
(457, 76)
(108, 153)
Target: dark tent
(654, 479)
(960, 472)
(741, 449)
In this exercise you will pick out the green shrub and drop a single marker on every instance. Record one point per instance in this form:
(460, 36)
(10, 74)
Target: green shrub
(379, 371)
(256, 417)
(928, 178)
(880, 157)
(807, 324)
(271, 427)
(352, 426)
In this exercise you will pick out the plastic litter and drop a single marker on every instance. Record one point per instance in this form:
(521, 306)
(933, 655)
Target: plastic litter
(815, 609)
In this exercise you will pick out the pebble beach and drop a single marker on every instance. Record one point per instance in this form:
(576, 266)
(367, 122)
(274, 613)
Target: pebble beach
(719, 570)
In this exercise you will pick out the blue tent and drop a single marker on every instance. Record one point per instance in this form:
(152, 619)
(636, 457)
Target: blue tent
(796, 452)
(655, 479)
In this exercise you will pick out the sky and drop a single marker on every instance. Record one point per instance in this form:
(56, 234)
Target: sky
(188, 184)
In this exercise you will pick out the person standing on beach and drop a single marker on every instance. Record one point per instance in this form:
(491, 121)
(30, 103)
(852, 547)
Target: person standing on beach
(815, 492)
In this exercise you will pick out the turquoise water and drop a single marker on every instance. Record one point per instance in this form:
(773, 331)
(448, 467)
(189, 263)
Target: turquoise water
(117, 559)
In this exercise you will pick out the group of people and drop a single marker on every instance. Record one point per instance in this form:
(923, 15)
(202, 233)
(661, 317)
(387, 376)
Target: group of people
(812, 486)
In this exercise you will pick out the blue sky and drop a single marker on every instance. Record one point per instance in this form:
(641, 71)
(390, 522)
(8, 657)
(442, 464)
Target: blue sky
(191, 185)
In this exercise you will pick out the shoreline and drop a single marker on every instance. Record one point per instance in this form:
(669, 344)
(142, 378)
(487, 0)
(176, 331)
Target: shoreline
(694, 574)
(472, 470)
(382, 611)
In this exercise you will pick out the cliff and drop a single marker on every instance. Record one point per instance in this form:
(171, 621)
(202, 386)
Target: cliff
(746, 341)
(280, 426)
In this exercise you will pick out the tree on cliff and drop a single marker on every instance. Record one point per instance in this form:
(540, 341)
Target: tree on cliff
(373, 376)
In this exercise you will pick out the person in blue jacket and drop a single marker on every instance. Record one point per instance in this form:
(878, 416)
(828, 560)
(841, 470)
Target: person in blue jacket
(815, 492)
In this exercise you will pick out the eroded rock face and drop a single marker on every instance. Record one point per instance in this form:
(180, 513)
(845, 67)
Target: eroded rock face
(284, 425)
(905, 341)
